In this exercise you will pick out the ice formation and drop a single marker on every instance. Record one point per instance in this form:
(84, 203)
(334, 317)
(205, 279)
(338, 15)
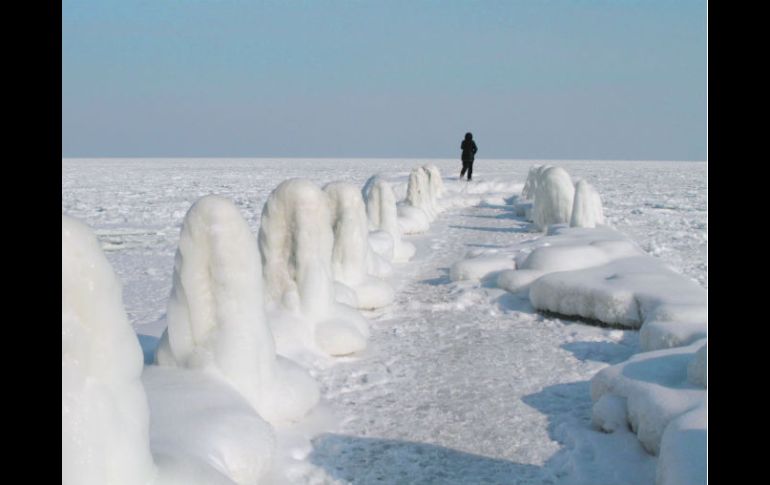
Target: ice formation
(587, 208)
(419, 192)
(524, 202)
(216, 319)
(352, 256)
(655, 388)
(533, 179)
(600, 274)
(435, 183)
(553, 198)
(296, 243)
(653, 392)
(105, 416)
(418, 210)
(382, 213)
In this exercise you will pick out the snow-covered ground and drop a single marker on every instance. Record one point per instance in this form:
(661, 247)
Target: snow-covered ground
(462, 382)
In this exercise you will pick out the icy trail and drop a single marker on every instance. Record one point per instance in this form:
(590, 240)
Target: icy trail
(466, 384)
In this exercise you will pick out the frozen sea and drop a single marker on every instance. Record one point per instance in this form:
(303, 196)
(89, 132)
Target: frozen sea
(461, 383)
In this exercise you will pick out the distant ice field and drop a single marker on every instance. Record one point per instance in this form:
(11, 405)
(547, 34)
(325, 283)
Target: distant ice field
(137, 205)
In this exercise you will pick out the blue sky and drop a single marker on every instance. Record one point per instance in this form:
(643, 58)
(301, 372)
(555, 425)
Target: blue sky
(578, 79)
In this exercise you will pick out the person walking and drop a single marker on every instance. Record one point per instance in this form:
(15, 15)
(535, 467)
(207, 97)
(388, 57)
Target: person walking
(468, 146)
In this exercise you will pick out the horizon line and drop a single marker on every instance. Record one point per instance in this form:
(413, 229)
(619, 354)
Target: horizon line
(219, 157)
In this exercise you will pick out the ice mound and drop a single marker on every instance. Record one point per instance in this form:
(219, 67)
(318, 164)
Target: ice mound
(296, 243)
(600, 274)
(655, 394)
(105, 416)
(216, 318)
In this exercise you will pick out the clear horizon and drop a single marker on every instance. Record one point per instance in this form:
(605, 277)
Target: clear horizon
(560, 80)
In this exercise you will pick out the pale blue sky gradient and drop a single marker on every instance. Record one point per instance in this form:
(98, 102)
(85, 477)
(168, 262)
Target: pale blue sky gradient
(559, 79)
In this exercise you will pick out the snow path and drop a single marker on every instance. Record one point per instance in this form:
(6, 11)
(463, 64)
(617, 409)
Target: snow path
(475, 390)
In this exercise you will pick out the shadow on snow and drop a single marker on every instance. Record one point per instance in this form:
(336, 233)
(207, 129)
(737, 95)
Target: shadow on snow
(365, 460)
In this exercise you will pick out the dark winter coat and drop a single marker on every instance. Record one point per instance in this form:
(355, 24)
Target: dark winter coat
(469, 150)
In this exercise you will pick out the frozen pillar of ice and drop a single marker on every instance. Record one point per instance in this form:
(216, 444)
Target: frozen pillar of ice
(105, 416)
(383, 216)
(216, 318)
(351, 255)
(296, 243)
(553, 198)
(587, 206)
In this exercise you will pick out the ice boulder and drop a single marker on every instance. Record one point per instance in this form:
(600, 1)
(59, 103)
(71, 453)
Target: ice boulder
(105, 415)
(296, 242)
(600, 274)
(655, 388)
(553, 198)
(565, 249)
(587, 208)
(352, 255)
(382, 213)
(216, 317)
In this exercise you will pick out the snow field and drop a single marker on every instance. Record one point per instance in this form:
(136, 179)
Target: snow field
(415, 307)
